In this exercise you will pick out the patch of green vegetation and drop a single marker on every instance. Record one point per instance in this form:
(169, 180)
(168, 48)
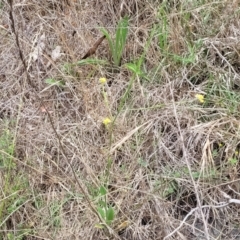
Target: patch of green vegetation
(54, 214)
(105, 210)
(117, 46)
(7, 147)
(54, 82)
(14, 184)
(233, 161)
(71, 68)
(21, 235)
(221, 95)
(190, 56)
(165, 187)
(163, 28)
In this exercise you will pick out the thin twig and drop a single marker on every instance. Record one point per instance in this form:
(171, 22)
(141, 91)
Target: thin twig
(221, 205)
(190, 213)
(93, 49)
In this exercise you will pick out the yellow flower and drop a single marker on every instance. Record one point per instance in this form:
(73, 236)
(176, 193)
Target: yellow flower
(200, 98)
(106, 121)
(102, 80)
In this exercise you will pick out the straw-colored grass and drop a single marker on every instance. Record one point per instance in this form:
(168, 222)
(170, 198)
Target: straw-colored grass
(152, 153)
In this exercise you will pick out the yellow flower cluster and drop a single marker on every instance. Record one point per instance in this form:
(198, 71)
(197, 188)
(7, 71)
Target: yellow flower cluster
(102, 80)
(200, 98)
(106, 121)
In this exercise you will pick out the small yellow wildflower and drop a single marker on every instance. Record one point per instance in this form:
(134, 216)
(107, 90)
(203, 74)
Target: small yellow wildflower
(102, 80)
(200, 98)
(106, 121)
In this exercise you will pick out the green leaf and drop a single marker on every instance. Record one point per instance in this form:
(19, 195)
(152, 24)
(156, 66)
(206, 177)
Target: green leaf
(102, 191)
(232, 161)
(121, 37)
(52, 81)
(91, 61)
(10, 236)
(102, 203)
(110, 214)
(132, 67)
(102, 212)
(117, 46)
(110, 41)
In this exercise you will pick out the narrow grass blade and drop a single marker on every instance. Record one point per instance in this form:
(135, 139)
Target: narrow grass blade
(120, 41)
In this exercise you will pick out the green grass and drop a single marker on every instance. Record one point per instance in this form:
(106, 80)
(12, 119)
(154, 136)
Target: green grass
(117, 46)
(15, 184)
(7, 165)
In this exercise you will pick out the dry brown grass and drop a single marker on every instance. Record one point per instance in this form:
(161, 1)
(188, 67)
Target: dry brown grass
(167, 154)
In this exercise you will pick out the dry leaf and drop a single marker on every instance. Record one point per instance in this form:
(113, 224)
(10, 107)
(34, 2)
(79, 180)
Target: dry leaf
(56, 53)
(38, 50)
